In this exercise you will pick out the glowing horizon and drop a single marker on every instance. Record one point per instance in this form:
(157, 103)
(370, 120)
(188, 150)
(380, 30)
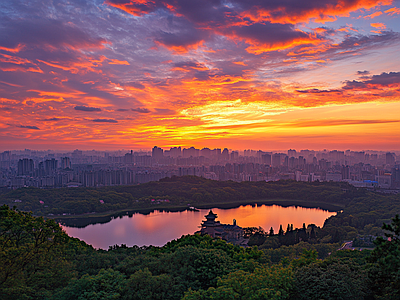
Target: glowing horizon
(132, 74)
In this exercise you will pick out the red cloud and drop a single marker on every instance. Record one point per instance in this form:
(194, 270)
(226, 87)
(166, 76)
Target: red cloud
(271, 37)
(294, 12)
(80, 65)
(180, 49)
(134, 7)
(290, 11)
(14, 59)
(243, 20)
(21, 69)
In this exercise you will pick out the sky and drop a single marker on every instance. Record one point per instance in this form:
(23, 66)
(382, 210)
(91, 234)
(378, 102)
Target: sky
(241, 74)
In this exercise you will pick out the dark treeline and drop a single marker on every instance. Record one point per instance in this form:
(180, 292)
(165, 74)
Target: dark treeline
(362, 212)
(39, 261)
(180, 192)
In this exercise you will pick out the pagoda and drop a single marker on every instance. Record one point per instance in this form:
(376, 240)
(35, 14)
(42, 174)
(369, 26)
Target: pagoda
(231, 233)
(210, 222)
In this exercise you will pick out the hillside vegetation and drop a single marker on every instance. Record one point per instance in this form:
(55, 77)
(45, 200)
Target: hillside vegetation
(39, 261)
(180, 192)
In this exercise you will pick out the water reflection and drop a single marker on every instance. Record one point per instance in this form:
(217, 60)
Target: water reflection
(157, 228)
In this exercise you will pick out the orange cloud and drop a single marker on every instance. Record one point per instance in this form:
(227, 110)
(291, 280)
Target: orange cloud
(325, 13)
(118, 62)
(180, 49)
(239, 63)
(10, 84)
(131, 7)
(81, 65)
(76, 94)
(258, 47)
(378, 25)
(9, 101)
(14, 59)
(18, 48)
(18, 68)
(35, 70)
(338, 122)
(393, 11)
(371, 16)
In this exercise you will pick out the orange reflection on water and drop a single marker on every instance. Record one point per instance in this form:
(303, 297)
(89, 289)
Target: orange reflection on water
(273, 216)
(158, 228)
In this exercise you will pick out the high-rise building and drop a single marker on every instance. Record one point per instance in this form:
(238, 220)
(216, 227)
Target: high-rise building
(175, 152)
(291, 153)
(216, 153)
(396, 176)
(234, 155)
(278, 159)
(50, 166)
(25, 166)
(190, 152)
(157, 153)
(345, 172)
(390, 159)
(206, 152)
(65, 163)
(225, 154)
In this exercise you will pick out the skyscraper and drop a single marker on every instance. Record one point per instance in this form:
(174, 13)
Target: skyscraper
(25, 166)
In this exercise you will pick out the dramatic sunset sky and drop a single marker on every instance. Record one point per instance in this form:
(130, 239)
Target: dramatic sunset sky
(260, 74)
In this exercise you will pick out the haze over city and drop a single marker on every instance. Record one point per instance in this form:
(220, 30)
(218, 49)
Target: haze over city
(130, 74)
(50, 169)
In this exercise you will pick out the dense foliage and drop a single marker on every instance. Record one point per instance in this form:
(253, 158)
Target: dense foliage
(39, 261)
(180, 192)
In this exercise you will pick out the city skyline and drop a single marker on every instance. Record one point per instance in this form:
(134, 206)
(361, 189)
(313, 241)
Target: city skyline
(98, 168)
(131, 74)
(150, 150)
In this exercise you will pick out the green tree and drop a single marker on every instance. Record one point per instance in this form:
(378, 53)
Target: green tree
(264, 283)
(280, 232)
(144, 286)
(384, 267)
(32, 252)
(107, 284)
(331, 279)
(271, 231)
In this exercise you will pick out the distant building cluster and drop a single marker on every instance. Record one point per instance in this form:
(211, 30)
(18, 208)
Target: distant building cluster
(49, 169)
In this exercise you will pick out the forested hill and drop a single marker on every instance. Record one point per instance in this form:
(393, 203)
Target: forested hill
(39, 261)
(177, 192)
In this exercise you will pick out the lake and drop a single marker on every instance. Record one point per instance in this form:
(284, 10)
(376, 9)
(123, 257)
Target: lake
(159, 227)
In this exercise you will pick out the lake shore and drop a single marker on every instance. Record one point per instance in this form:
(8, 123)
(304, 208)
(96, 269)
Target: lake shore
(84, 220)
